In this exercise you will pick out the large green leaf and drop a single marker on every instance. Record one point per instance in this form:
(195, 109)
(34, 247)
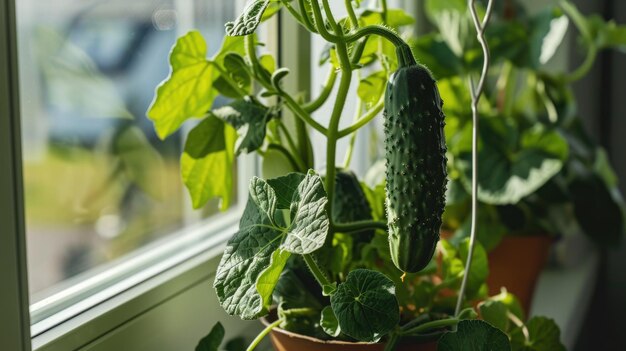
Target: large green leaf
(511, 170)
(207, 162)
(366, 305)
(474, 335)
(285, 187)
(452, 19)
(255, 257)
(249, 20)
(495, 313)
(188, 91)
(543, 335)
(249, 119)
(212, 341)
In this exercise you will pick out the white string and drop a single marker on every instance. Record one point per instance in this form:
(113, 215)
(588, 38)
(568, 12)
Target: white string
(476, 92)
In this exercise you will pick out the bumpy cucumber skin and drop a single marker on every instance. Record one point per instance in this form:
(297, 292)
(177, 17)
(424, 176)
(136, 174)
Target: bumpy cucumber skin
(416, 166)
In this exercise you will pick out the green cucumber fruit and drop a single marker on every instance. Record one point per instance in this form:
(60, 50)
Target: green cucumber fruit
(416, 163)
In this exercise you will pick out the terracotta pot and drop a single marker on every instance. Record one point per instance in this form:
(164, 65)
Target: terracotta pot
(516, 264)
(287, 341)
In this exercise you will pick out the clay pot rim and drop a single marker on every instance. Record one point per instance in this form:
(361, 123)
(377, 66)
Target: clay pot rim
(310, 338)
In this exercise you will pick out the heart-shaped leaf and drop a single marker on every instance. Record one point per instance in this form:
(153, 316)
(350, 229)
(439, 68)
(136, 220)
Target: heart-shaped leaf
(474, 335)
(366, 305)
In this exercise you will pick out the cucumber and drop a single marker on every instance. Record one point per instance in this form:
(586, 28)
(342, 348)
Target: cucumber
(416, 163)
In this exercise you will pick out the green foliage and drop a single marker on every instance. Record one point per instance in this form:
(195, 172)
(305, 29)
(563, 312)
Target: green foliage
(474, 336)
(365, 305)
(541, 334)
(212, 341)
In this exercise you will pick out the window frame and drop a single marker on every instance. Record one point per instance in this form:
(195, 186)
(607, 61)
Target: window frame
(15, 321)
(122, 293)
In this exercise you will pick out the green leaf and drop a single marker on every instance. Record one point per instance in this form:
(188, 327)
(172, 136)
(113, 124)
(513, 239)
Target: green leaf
(141, 162)
(235, 66)
(509, 170)
(188, 91)
(263, 196)
(372, 87)
(310, 222)
(236, 344)
(452, 19)
(480, 267)
(249, 258)
(257, 254)
(250, 120)
(607, 34)
(329, 322)
(490, 229)
(212, 341)
(434, 53)
(285, 187)
(395, 18)
(366, 305)
(207, 162)
(249, 20)
(548, 29)
(495, 313)
(474, 335)
(599, 209)
(511, 302)
(543, 335)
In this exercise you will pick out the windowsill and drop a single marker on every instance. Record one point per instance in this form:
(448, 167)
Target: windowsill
(113, 306)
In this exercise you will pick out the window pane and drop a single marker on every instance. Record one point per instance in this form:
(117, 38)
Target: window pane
(98, 182)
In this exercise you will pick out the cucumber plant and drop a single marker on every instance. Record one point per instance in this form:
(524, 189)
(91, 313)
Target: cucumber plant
(320, 250)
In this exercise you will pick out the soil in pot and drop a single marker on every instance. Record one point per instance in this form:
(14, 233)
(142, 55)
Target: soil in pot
(284, 340)
(516, 264)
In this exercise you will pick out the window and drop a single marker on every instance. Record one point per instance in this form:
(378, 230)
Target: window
(102, 193)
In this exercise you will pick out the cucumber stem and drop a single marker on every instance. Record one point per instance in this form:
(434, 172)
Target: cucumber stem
(262, 335)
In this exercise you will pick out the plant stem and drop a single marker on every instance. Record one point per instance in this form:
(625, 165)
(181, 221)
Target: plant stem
(383, 4)
(379, 30)
(353, 19)
(321, 26)
(316, 271)
(289, 101)
(365, 119)
(581, 24)
(290, 141)
(297, 164)
(305, 17)
(359, 226)
(350, 151)
(393, 340)
(333, 127)
(331, 18)
(262, 335)
(438, 324)
(293, 12)
(314, 105)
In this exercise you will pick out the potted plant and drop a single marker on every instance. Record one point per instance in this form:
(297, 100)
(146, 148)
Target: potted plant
(325, 260)
(542, 175)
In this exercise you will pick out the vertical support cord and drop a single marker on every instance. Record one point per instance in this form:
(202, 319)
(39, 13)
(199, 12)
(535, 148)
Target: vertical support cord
(476, 92)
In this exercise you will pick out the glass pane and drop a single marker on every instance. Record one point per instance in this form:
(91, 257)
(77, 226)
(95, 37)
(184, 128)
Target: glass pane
(98, 182)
